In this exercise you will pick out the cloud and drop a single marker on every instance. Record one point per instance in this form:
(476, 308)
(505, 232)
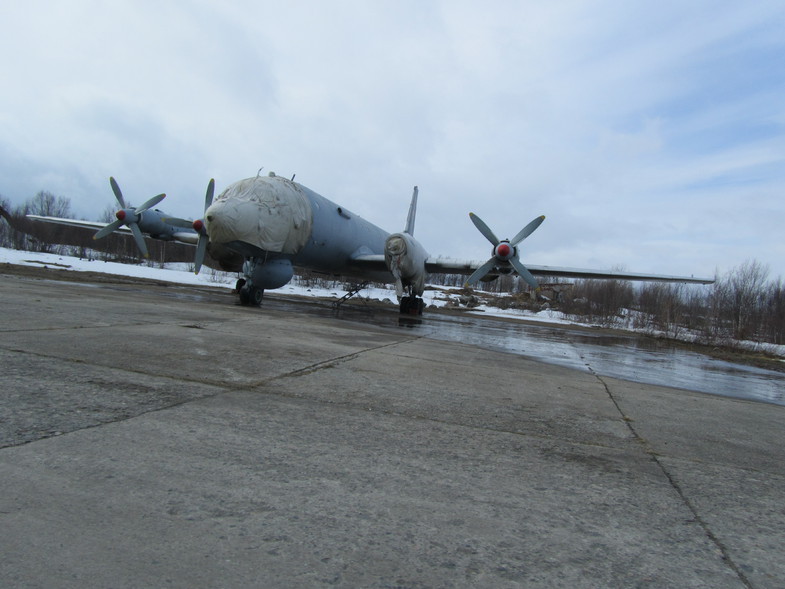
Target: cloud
(635, 128)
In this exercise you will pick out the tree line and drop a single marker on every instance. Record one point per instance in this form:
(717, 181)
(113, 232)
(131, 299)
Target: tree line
(742, 304)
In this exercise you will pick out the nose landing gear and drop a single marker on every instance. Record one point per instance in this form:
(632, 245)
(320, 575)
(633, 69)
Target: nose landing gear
(249, 294)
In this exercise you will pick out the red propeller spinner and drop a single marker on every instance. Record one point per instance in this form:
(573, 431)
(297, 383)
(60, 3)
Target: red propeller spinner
(503, 251)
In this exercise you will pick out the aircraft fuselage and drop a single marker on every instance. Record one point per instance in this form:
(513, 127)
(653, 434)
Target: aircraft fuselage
(338, 236)
(277, 224)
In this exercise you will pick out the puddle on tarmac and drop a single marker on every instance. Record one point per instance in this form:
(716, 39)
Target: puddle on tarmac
(636, 358)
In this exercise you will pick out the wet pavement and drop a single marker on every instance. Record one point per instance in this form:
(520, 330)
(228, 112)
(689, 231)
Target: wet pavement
(633, 357)
(158, 436)
(636, 358)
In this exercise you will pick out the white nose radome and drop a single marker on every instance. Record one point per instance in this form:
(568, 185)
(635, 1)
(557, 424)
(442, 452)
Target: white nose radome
(266, 212)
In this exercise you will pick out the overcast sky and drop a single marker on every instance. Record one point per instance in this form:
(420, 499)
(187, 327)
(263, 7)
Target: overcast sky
(650, 134)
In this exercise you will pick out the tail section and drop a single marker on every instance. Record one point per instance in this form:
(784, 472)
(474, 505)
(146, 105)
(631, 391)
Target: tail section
(412, 213)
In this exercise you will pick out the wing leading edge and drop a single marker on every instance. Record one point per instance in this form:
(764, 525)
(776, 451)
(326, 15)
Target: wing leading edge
(447, 266)
(186, 237)
(466, 268)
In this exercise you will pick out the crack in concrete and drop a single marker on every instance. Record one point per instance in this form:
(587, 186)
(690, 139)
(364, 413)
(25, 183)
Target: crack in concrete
(222, 388)
(335, 361)
(726, 557)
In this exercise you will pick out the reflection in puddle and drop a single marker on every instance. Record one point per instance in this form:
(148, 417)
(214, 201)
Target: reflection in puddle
(636, 358)
(629, 357)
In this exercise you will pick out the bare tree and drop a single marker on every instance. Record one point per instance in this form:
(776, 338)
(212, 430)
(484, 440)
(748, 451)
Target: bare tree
(662, 306)
(46, 239)
(747, 284)
(774, 312)
(5, 227)
(602, 301)
(696, 313)
(47, 204)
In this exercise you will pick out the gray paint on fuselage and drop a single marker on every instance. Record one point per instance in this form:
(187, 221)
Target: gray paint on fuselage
(336, 236)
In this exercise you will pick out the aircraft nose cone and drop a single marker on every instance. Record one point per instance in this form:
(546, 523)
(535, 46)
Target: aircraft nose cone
(227, 221)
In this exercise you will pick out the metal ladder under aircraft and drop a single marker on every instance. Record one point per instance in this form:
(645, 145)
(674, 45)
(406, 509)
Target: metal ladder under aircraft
(353, 290)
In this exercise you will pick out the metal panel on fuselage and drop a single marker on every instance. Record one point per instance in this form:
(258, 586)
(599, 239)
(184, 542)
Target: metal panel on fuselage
(337, 235)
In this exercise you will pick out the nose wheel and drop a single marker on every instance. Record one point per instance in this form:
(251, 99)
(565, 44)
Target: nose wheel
(249, 294)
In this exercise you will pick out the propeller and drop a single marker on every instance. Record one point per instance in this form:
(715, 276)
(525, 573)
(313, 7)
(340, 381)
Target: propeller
(198, 225)
(129, 216)
(505, 252)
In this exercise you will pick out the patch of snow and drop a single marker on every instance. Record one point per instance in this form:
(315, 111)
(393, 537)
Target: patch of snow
(176, 273)
(179, 273)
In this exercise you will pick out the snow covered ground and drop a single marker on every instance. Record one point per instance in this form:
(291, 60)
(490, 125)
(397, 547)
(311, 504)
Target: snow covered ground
(180, 274)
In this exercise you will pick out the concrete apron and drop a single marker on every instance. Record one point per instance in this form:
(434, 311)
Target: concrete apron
(151, 441)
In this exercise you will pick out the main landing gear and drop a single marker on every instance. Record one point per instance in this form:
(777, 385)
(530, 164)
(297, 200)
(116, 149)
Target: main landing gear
(249, 294)
(411, 305)
(260, 273)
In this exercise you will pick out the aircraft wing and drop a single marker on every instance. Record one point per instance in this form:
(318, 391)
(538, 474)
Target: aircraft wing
(185, 237)
(447, 266)
(370, 262)
(367, 267)
(611, 274)
(436, 265)
(75, 223)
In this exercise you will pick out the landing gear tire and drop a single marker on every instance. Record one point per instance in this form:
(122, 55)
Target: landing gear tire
(245, 295)
(257, 294)
(250, 295)
(412, 306)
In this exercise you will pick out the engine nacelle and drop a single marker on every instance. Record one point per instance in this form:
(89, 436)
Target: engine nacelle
(405, 259)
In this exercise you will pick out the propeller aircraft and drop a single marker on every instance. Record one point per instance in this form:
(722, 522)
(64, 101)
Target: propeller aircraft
(266, 226)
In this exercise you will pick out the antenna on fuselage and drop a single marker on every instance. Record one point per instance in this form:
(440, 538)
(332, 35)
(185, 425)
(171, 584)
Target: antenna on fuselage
(260, 171)
(292, 180)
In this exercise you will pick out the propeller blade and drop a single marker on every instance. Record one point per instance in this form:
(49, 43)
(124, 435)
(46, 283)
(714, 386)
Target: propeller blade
(484, 229)
(527, 231)
(112, 227)
(139, 239)
(524, 272)
(129, 216)
(502, 253)
(117, 194)
(208, 197)
(201, 246)
(150, 203)
(481, 271)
